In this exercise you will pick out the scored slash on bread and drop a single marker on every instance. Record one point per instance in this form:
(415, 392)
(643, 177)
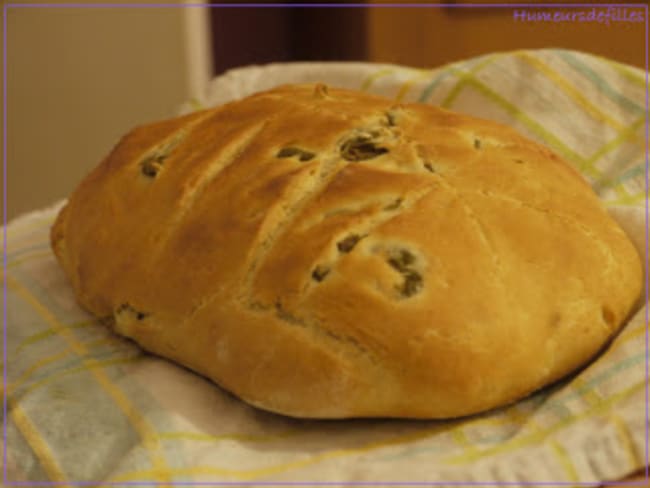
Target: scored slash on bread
(326, 253)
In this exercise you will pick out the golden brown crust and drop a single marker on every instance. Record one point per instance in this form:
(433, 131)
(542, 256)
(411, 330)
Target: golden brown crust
(325, 253)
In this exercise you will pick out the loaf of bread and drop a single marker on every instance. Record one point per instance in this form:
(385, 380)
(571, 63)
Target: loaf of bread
(326, 253)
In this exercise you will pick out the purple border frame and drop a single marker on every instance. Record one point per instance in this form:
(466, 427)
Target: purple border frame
(321, 5)
(328, 483)
(7, 6)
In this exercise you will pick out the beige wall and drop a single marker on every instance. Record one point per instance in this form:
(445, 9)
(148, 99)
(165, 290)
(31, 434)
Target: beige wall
(77, 79)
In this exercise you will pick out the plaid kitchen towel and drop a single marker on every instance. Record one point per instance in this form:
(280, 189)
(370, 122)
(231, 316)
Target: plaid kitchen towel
(87, 406)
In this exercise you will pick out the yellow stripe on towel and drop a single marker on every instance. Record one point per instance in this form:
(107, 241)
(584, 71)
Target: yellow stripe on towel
(565, 460)
(575, 94)
(538, 436)
(249, 474)
(463, 78)
(137, 420)
(38, 444)
(368, 82)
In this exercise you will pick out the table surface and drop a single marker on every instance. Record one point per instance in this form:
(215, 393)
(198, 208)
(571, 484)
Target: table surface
(638, 477)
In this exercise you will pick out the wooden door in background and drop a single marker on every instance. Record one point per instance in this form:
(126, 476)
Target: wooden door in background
(425, 37)
(245, 36)
(429, 37)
